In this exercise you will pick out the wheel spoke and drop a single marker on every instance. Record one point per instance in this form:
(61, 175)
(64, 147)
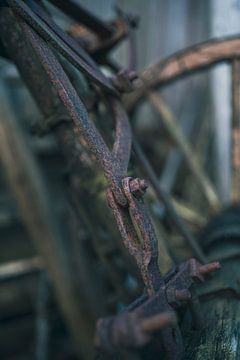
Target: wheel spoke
(178, 137)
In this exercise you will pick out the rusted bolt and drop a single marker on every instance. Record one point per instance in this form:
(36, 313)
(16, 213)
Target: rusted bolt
(138, 187)
(123, 80)
(208, 268)
(198, 270)
(174, 296)
(183, 295)
(130, 330)
(159, 321)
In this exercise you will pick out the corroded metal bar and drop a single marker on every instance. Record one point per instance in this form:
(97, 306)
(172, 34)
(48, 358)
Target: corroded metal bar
(81, 15)
(184, 63)
(123, 136)
(60, 40)
(77, 110)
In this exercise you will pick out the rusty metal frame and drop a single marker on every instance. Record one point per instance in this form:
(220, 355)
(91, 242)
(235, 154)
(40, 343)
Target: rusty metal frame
(162, 293)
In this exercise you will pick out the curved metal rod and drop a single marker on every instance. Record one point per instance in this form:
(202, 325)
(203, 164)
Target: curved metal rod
(184, 63)
(122, 29)
(121, 150)
(126, 228)
(112, 169)
(46, 18)
(77, 111)
(61, 41)
(81, 15)
(98, 47)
